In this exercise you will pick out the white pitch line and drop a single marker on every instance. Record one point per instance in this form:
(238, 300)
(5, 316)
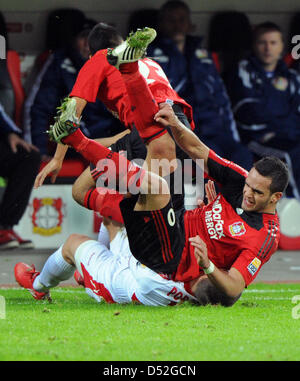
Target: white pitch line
(295, 268)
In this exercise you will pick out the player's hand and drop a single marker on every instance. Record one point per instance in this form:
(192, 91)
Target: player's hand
(15, 140)
(54, 166)
(200, 251)
(166, 116)
(210, 193)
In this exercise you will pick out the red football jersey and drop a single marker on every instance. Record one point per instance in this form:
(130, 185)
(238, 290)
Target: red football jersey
(98, 79)
(234, 238)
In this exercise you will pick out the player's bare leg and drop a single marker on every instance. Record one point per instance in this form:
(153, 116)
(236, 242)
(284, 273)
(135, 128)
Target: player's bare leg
(82, 185)
(152, 186)
(125, 57)
(71, 245)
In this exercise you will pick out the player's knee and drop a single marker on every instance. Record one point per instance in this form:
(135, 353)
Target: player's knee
(71, 245)
(154, 184)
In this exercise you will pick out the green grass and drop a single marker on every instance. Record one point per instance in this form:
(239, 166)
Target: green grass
(258, 327)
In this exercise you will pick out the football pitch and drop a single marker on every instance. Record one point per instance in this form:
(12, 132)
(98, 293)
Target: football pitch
(264, 325)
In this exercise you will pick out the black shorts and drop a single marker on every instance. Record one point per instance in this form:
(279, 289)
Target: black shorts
(156, 238)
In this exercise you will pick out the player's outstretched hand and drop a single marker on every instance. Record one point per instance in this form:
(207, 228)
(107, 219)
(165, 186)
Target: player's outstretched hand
(54, 166)
(210, 193)
(166, 116)
(200, 251)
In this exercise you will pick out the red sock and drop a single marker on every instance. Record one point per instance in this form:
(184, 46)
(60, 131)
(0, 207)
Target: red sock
(143, 104)
(103, 201)
(111, 166)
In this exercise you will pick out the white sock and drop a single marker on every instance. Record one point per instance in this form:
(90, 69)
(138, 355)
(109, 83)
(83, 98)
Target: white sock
(103, 236)
(55, 270)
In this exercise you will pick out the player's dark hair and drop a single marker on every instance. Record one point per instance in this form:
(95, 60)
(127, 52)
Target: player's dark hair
(208, 293)
(265, 27)
(276, 170)
(103, 36)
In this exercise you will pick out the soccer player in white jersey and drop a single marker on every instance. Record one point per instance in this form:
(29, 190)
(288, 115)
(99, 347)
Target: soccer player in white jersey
(108, 270)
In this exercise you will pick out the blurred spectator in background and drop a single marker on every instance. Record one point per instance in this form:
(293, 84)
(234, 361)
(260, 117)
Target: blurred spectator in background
(141, 18)
(193, 75)
(230, 36)
(19, 164)
(19, 161)
(265, 96)
(58, 77)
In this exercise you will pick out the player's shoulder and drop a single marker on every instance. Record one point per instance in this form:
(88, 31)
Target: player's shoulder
(268, 236)
(271, 221)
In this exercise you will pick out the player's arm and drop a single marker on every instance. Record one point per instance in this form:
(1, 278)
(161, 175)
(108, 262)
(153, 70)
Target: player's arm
(184, 137)
(55, 164)
(230, 283)
(107, 142)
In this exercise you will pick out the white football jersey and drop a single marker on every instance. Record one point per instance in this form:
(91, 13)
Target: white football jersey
(116, 276)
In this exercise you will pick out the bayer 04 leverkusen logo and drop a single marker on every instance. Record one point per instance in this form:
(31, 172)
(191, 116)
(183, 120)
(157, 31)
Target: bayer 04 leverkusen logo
(237, 228)
(47, 215)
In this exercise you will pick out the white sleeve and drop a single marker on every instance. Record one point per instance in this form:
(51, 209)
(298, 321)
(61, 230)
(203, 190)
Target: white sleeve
(103, 236)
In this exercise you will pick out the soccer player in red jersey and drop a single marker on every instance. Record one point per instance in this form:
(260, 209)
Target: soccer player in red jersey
(99, 80)
(239, 230)
(227, 241)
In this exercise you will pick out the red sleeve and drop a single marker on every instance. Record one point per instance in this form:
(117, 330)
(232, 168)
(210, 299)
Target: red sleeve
(250, 261)
(217, 165)
(228, 175)
(248, 265)
(90, 78)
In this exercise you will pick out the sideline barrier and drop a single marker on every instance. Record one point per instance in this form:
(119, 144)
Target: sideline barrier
(289, 217)
(52, 215)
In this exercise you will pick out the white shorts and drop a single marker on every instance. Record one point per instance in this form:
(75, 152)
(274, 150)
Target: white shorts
(120, 278)
(105, 274)
(155, 289)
